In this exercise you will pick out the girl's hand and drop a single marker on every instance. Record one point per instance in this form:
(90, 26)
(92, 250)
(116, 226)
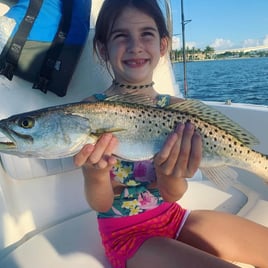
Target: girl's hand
(179, 159)
(97, 160)
(98, 156)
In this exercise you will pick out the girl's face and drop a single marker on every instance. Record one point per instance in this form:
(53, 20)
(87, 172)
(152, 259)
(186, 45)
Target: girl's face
(134, 47)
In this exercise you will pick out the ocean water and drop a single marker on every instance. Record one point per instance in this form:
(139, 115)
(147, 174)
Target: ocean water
(238, 80)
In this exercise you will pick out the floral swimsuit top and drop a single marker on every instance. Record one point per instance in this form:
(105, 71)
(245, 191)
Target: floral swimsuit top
(136, 197)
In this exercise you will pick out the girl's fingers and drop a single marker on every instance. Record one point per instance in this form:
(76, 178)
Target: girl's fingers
(195, 155)
(106, 158)
(184, 155)
(181, 154)
(100, 148)
(111, 146)
(98, 155)
(81, 157)
(167, 158)
(163, 155)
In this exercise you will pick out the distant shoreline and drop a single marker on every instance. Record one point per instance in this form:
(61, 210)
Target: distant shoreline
(227, 58)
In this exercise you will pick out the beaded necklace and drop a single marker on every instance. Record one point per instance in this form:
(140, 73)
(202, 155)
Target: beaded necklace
(115, 83)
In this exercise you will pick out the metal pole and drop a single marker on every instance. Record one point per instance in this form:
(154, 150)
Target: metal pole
(183, 22)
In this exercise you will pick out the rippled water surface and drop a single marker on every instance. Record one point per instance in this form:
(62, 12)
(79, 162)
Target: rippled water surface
(238, 80)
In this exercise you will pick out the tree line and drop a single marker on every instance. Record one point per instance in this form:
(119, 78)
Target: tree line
(195, 54)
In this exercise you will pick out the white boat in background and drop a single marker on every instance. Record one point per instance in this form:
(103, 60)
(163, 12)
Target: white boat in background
(45, 220)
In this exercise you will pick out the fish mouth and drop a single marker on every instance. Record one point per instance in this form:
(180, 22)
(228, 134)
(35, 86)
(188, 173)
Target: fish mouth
(7, 143)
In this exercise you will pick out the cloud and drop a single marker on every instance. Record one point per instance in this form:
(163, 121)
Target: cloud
(251, 43)
(265, 40)
(220, 44)
(191, 44)
(176, 43)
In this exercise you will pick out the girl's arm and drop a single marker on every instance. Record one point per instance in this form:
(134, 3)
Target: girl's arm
(96, 161)
(179, 159)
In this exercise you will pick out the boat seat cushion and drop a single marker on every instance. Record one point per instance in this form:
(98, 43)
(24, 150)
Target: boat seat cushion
(30, 168)
(75, 242)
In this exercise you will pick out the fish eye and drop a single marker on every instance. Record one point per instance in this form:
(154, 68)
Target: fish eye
(26, 122)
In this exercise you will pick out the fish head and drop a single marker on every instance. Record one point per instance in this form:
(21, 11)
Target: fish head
(46, 133)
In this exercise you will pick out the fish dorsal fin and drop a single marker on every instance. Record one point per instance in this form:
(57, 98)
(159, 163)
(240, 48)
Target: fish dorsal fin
(134, 98)
(216, 118)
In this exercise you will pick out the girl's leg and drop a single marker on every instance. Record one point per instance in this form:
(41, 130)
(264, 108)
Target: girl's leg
(227, 236)
(159, 252)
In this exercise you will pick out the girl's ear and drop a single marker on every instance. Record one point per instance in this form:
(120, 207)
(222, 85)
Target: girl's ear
(102, 51)
(163, 46)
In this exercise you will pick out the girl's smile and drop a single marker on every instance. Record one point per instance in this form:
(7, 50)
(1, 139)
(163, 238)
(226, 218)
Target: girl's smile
(135, 63)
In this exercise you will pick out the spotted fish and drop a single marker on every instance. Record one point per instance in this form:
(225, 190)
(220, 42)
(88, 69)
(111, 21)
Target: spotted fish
(141, 129)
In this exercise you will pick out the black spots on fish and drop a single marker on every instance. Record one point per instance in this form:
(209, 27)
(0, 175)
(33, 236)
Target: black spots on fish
(196, 122)
(180, 118)
(199, 129)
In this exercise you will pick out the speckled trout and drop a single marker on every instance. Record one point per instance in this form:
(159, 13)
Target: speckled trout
(141, 129)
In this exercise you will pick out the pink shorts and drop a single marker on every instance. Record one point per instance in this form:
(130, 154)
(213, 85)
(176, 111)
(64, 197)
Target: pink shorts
(123, 236)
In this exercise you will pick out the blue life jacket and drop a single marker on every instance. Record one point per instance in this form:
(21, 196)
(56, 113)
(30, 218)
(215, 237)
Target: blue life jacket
(46, 42)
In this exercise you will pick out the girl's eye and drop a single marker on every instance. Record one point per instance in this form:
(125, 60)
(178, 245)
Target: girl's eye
(119, 35)
(148, 34)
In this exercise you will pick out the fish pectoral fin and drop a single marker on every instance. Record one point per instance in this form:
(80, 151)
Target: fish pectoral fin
(98, 132)
(222, 176)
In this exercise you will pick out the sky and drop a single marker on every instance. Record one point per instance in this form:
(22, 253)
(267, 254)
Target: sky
(221, 24)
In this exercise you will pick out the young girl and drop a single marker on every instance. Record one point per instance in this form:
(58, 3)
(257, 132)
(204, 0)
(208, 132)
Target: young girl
(140, 223)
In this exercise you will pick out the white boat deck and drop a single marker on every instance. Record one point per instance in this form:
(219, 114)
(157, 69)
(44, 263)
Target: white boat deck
(44, 218)
(75, 242)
